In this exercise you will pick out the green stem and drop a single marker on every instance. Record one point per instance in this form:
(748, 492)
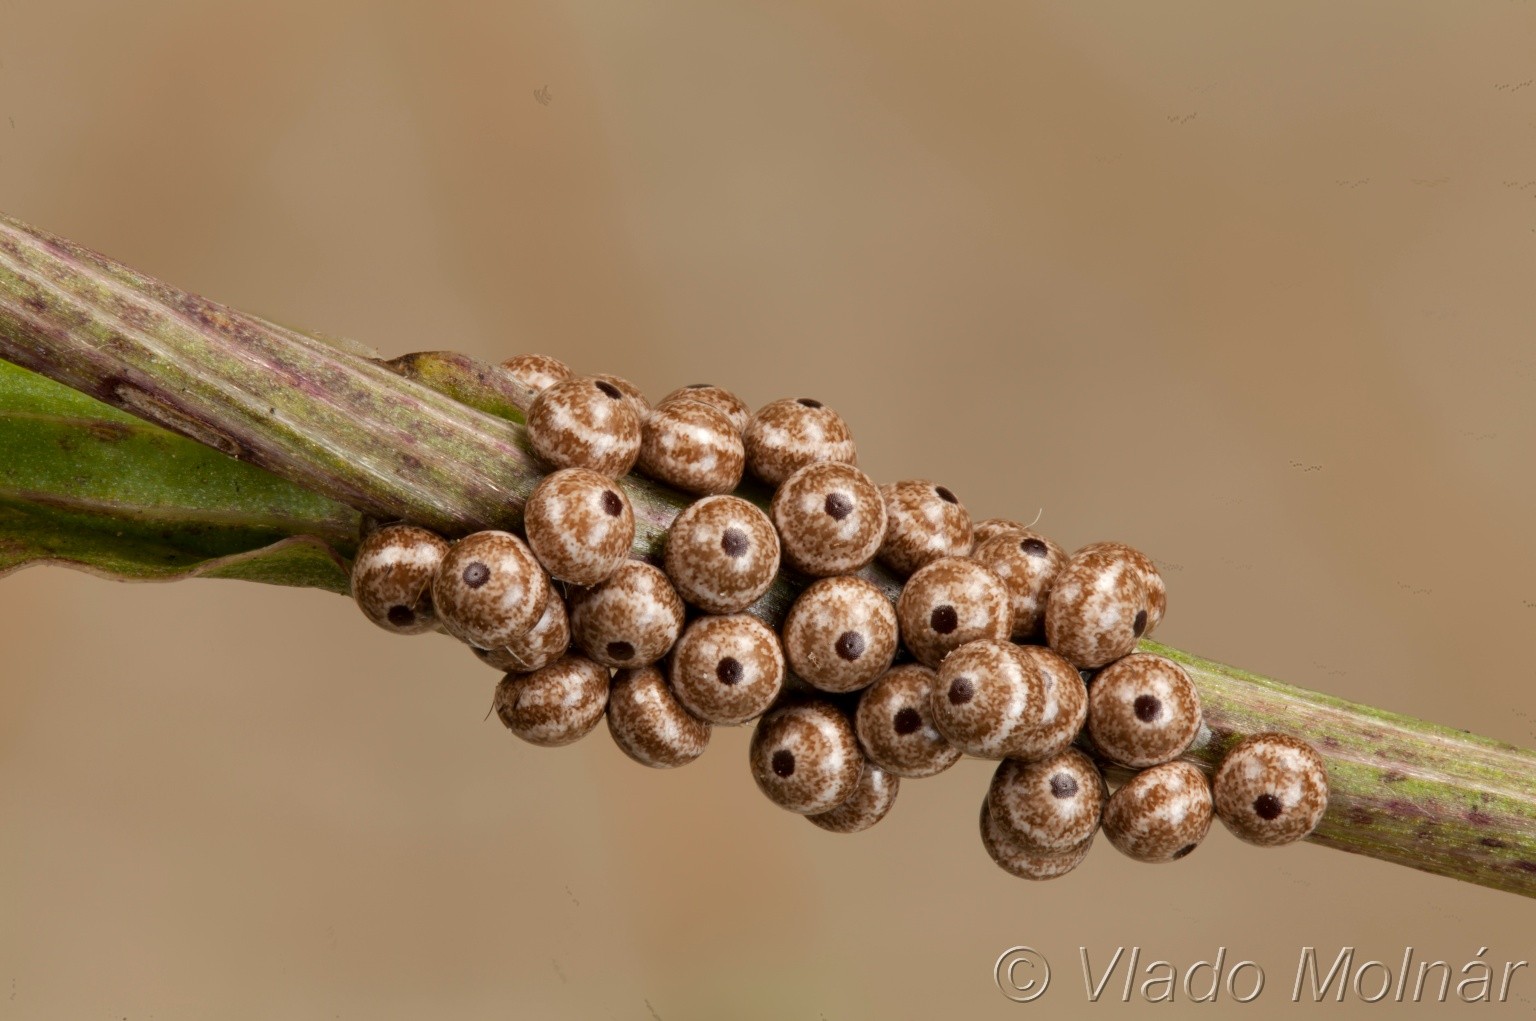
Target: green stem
(434, 439)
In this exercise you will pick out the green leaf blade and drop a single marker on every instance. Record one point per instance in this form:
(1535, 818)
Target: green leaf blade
(87, 486)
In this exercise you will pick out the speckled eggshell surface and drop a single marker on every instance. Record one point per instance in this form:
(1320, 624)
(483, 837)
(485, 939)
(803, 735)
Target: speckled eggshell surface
(894, 723)
(871, 800)
(585, 423)
(840, 634)
(1160, 814)
(830, 518)
(986, 696)
(718, 397)
(1049, 806)
(1097, 607)
(1064, 711)
(392, 576)
(579, 524)
(786, 435)
(535, 371)
(1271, 789)
(722, 554)
(1143, 710)
(949, 603)
(489, 589)
(556, 705)
(1018, 860)
(649, 724)
(805, 757)
(1027, 563)
(693, 447)
(926, 521)
(630, 620)
(727, 670)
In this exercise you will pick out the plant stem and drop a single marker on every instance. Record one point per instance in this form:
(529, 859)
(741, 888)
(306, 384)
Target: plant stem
(433, 439)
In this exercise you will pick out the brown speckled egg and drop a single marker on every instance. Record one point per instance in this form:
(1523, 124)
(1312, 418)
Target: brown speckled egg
(1050, 806)
(1160, 814)
(1097, 607)
(727, 670)
(722, 554)
(392, 577)
(986, 698)
(894, 723)
(631, 619)
(1028, 563)
(1065, 709)
(789, 434)
(585, 423)
(537, 372)
(990, 528)
(1020, 861)
(1143, 710)
(489, 589)
(693, 447)
(579, 524)
(840, 634)
(926, 522)
(948, 603)
(716, 397)
(649, 724)
(1271, 789)
(830, 518)
(632, 394)
(805, 757)
(541, 645)
(870, 801)
(1152, 579)
(555, 705)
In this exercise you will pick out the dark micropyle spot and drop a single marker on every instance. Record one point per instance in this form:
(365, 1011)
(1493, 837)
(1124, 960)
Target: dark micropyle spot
(401, 616)
(1034, 547)
(612, 505)
(620, 650)
(943, 619)
(734, 542)
(613, 392)
(809, 402)
(839, 505)
(850, 645)
(783, 762)
(728, 670)
(945, 494)
(1267, 806)
(961, 691)
(697, 386)
(1183, 851)
(907, 720)
(1148, 708)
(1141, 623)
(1063, 785)
(476, 574)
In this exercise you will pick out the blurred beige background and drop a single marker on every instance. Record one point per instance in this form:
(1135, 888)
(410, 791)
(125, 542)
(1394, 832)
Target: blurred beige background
(1249, 287)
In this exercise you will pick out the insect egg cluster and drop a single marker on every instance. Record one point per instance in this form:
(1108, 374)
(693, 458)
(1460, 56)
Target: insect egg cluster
(997, 644)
